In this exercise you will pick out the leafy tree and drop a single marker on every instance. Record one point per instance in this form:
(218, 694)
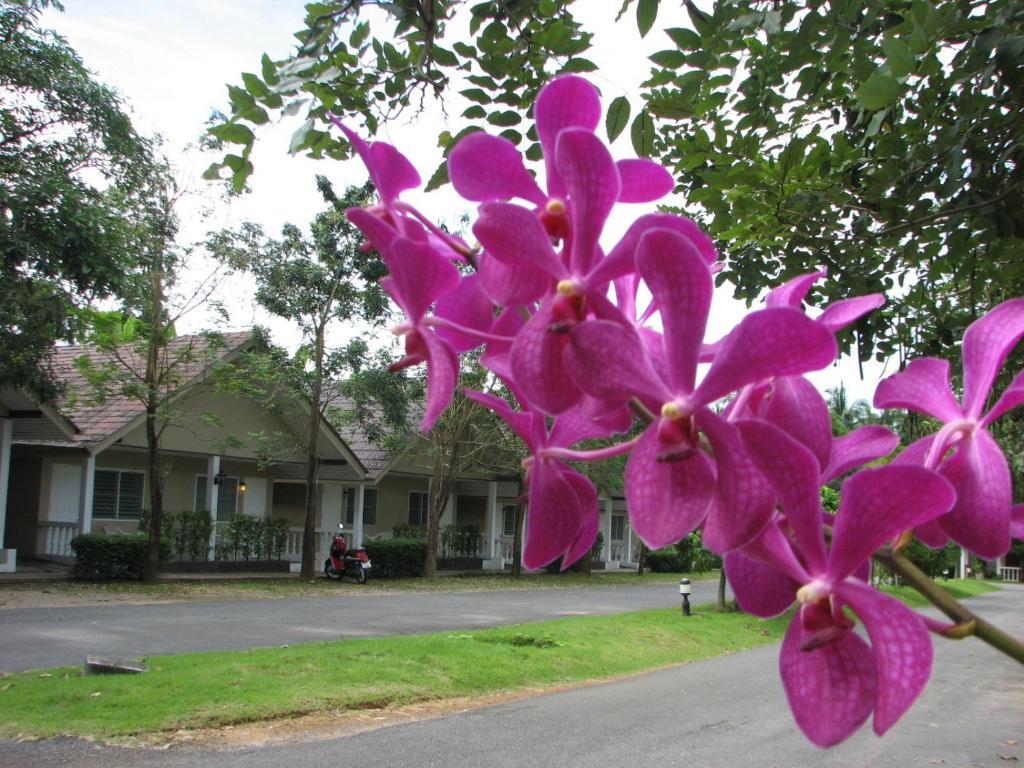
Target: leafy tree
(317, 282)
(71, 167)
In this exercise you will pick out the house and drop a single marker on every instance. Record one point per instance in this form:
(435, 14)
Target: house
(79, 466)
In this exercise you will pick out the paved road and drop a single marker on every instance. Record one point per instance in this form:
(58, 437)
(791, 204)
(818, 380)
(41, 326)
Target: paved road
(31, 638)
(727, 713)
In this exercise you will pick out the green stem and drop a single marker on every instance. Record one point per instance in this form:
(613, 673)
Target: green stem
(945, 602)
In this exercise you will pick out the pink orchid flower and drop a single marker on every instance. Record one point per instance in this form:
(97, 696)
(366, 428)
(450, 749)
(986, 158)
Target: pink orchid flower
(833, 679)
(980, 521)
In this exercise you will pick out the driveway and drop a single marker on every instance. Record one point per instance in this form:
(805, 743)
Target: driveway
(31, 638)
(721, 713)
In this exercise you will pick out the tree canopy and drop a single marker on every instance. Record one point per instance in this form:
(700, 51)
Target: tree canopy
(71, 168)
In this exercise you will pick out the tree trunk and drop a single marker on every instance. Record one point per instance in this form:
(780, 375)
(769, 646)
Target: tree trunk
(721, 590)
(156, 504)
(517, 536)
(442, 486)
(640, 560)
(309, 565)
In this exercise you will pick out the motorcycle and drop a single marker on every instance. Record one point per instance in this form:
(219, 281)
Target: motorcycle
(343, 561)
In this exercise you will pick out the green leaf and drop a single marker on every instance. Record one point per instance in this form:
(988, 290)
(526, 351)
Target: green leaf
(477, 95)
(444, 57)
(669, 59)
(439, 177)
(299, 137)
(642, 134)
(475, 112)
(505, 119)
(878, 91)
(617, 118)
(579, 65)
(233, 133)
(702, 22)
(646, 13)
(269, 70)
(213, 172)
(684, 38)
(255, 86)
(897, 53)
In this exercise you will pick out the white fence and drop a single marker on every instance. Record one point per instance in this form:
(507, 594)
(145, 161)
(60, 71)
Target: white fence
(54, 538)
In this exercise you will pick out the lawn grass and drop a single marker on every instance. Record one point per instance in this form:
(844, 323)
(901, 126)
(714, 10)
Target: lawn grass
(215, 689)
(958, 588)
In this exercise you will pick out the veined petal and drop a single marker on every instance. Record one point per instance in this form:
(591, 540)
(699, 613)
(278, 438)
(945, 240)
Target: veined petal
(794, 472)
(682, 285)
(832, 689)
(621, 258)
(538, 368)
(512, 285)
(554, 515)
(901, 646)
(378, 232)
(765, 344)
(390, 171)
(877, 506)
(592, 183)
(667, 499)
(986, 345)
(643, 181)
(922, 386)
(980, 521)
(760, 589)
(795, 406)
(442, 376)
(744, 500)
(484, 168)
(792, 293)
(773, 547)
(565, 102)
(932, 535)
(589, 518)
(1012, 396)
(840, 314)
(468, 306)
(861, 446)
(607, 360)
(573, 426)
(420, 276)
(515, 236)
(521, 422)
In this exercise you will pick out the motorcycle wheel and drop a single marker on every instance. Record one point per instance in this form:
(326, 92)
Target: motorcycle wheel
(357, 572)
(329, 572)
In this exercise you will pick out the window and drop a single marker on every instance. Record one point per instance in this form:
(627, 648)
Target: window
(227, 497)
(418, 501)
(118, 494)
(508, 520)
(369, 506)
(618, 527)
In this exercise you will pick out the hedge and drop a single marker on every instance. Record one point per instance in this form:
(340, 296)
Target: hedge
(120, 557)
(667, 560)
(396, 557)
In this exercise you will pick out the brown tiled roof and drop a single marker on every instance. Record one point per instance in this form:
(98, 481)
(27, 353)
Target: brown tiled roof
(97, 421)
(374, 457)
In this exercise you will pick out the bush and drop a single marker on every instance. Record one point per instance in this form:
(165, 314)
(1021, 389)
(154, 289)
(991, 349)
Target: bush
(409, 531)
(396, 557)
(186, 534)
(117, 557)
(665, 560)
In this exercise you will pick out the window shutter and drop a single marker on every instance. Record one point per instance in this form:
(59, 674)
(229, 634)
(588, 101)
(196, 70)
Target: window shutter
(130, 492)
(104, 494)
(369, 506)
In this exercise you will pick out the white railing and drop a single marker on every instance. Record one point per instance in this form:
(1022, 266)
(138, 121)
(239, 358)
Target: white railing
(618, 551)
(293, 544)
(1009, 573)
(54, 538)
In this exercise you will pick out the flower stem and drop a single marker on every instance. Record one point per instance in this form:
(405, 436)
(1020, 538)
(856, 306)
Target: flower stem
(983, 630)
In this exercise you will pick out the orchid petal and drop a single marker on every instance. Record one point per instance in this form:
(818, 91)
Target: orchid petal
(554, 514)
(765, 344)
(1012, 396)
(592, 182)
(621, 259)
(378, 232)
(682, 286)
(565, 102)
(667, 499)
(922, 386)
(538, 368)
(773, 547)
(880, 504)
(796, 407)
(573, 426)
(832, 689)
(901, 646)
(643, 181)
(468, 306)
(442, 376)
(420, 275)
(521, 422)
(932, 535)
(840, 314)
(861, 446)
(618, 376)
(390, 171)
(986, 345)
(515, 236)
(792, 293)
(760, 589)
(589, 518)
(484, 168)
(512, 285)
(744, 500)
(794, 472)
(980, 521)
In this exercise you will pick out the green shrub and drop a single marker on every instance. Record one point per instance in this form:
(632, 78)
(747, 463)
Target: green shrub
(275, 537)
(665, 560)
(396, 557)
(116, 557)
(186, 533)
(408, 531)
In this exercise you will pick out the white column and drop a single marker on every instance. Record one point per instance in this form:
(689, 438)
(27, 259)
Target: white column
(8, 557)
(357, 524)
(212, 493)
(963, 563)
(493, 527)
(448, 516)
(608, 511)
(85, 494)
(629, 541)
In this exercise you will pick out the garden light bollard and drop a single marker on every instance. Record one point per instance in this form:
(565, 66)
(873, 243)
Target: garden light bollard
(684, 591)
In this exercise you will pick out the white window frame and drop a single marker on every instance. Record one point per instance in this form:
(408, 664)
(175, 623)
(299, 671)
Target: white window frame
(195, 494)
(426, 508)
(117, 499)
(618, 516)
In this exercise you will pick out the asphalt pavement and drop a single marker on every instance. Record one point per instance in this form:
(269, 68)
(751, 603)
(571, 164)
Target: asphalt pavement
(32, 638)
(728, 712)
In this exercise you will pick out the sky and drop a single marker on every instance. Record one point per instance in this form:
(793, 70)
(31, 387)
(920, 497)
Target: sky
(172, 60)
